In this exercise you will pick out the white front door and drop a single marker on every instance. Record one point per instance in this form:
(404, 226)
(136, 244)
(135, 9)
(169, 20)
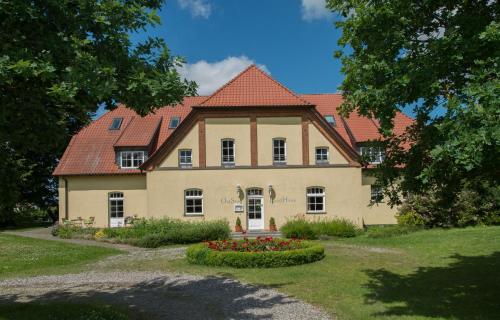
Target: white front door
(255, 213)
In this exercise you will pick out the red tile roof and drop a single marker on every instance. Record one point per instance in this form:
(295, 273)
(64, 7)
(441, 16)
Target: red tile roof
(139, 132)
(93, 150)
(252, 88)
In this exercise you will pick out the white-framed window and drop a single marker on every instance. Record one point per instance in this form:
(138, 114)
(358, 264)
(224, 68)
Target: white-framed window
(132, 159)
(376, 194)
(322, 155)
(331, 120)
(316, 200)
(193, 202)
(174, 122)
(279, 151)
(373, 154)
(227, 152)
(116, 204)
(185, 158)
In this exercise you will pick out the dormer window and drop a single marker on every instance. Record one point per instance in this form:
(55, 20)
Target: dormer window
(131, 159)
(174, 122)
(331, 120)
(372, 154)
(116, 124)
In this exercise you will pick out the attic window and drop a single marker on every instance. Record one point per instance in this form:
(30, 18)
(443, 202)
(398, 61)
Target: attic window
(116, 124)
(174, 122)
(331, 120)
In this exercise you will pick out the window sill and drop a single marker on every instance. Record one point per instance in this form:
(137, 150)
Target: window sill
(228, 164)
(279, 164)
(193, 214)
(322, 163)
(316, 212)
(186, 166)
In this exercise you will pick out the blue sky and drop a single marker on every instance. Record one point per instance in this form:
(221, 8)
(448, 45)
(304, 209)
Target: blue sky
(293, 40)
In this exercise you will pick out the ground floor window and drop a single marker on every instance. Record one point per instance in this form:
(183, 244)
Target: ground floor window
(193, 201)
(315, 199)
(116, 205)
(376, 193)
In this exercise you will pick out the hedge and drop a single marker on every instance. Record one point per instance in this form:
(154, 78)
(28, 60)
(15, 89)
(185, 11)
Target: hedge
(151, 233)
(201, 254)
(304, 229)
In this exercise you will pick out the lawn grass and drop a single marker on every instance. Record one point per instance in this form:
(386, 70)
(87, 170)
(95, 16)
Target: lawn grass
(61, 311)
(438, 274)
(20, 256)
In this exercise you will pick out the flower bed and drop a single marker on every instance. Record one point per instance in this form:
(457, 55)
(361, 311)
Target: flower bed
(261, 252)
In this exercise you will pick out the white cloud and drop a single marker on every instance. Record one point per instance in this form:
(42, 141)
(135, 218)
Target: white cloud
(210, 76)
(315, 10)
(198, 8)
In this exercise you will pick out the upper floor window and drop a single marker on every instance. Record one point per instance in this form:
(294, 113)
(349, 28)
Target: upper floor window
(315, 199)
(331, 120)
(376, 194)
(279, 151)
(174, 122)
(185, 158)
(373, 154)
(227, 152)
(193, 202)
(116, 124)
(321, 155)
(131, 159)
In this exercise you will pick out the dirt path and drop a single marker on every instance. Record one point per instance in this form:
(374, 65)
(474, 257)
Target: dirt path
(162, 295)
(44, 234)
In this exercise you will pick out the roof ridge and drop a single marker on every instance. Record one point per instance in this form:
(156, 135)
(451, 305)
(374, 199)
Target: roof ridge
(281, 85)
(251, 67)
(226, 84)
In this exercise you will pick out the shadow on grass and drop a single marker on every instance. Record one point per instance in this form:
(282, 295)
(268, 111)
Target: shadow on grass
(468, 289)
(167, 298)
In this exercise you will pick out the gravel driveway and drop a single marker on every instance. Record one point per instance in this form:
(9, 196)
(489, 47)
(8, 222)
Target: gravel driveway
(162, 295)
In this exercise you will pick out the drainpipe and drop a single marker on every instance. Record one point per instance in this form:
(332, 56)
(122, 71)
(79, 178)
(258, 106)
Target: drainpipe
(66, 201)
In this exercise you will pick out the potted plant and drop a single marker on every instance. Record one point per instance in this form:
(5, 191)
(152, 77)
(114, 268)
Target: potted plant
(272, 225)
(238, 227)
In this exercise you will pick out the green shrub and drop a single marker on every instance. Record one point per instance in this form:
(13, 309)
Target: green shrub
(152, 233)
(298, 228)
(201, 254)
(409, 218)
(74, 232)
(303, 229)
(390, 231)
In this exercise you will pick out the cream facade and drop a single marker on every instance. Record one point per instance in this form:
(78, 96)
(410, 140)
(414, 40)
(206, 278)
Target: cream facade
(283, 190)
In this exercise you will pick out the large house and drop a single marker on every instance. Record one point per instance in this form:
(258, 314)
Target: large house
(253, 150)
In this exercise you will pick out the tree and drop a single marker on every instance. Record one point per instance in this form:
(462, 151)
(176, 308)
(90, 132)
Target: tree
(60, 59)
(442, 57)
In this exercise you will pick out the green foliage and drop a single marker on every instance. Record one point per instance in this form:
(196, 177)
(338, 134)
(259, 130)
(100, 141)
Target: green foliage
(468, 208)
(73, 232)
(272, 222)
(408, 217)
(152, 233)
(441, 58)
(298, 228)
(201, 254)
(238, 222)
(58, 61)
(303, 229)
(390, 231)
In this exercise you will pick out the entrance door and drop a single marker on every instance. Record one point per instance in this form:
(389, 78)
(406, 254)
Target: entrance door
(116, 218)
(255, 209)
